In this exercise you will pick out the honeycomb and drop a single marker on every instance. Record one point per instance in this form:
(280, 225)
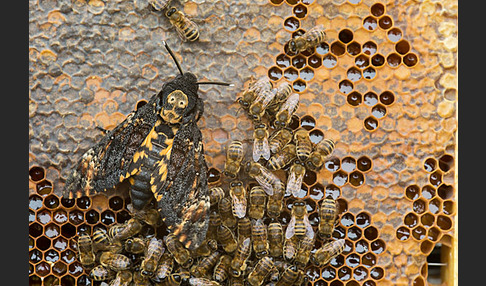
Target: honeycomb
(383, 85)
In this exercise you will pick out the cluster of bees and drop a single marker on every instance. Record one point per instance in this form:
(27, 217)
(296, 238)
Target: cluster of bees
(185, 27)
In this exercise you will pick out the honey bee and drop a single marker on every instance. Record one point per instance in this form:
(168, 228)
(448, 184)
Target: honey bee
(234, 156)
(186, 28)
(164, 268)
(260, 271)
(275, 201)
(299, 224)
(100, 240)
(159, 4)
(289, 276)
(115, 261)
(324, 148)
(282, 92)
(259, 238)
(257, 203)
(225, 208)
(175, 279)
(290, 248)
(243, 228)
(149, 216)
(296, 176)
(264, 177)
(181, 255)
(282, 158)
(304, 252)
(275, 239)
(122, 278)
(284, 114)
(135, 245)
(255, 87)
(130, 228)
(261, 148)
(238, 263)
(303, 144)
(238, 196)
(309, 39)
(206, 247)
(202, 268)
(85, 250)
(328, 251)
(198, 281)
(221, 270)
(140, 280)
(155, 249)
(327, 217)
(215, 195)
(260, 104)
(213, 224)
(101, 273)
(226, 238)
(279, 139)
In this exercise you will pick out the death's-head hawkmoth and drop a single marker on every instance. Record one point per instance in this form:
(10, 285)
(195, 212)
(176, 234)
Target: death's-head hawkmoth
(158, 149)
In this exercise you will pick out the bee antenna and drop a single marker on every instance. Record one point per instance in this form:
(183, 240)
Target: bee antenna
(173, 57)
(216, 82)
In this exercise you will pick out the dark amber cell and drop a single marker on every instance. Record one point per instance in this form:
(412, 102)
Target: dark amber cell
(394, 60)
(51, 201)
(411, 220)
(44, 187)
(360, 274)
(370, 48)
(83, 202)
(444, 222)
(377, 9)
(67, 203)
(370, 23)
(310, 178)
(274, 73)
(322, 48)
(76, 217)
(403, 233)
(369, 73)
(68, 230)
(36, 173)
(363, 219)
(435, 178)
(445, 191)
(402, 47)
(76, 268)
(430, 164)
(340, 178)
(370, 123)
(434, 234)
(291, 24)
(418, 281)
(316, 136)
(362, 61)
(410, 59)
(339, 232)
(35, 229)
(51, 280)
(291, 74)
(115, 203)
(314, 61)
(59, 268)
(107, 217)
(282, 60)
(342, 205)
(308, 122)
(446, 162)
(336, 283)
(92, 217)
(276, 2)
(35, 256)
(306, 74)
(427, 219)
(300, 11)
(35, 280)
(346, 86)
(345, 36)
(213, 175)
(348, 164)
(378, 111)
(294, 122)
(385, 22)
(68, 256)
(299, 85)
(412, 192)
(419, 206)
(43, 268)
(42, 243)
(353, 74)
(448, 207)
(353, 48)
(419, 233)
(299, 61)
(329, 61)
(377, 246)
(292, 2)
(387, 97)
(368, 260)
(84, 228)
(338, 48)
(394, 35)
(68, 281)
(356, 179)
(354, 98)
(378, 60)
(364, 164)
(377, 273)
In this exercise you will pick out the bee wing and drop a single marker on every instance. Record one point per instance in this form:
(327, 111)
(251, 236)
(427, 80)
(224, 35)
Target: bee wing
(180, 33)
(258, 149)
(265, 149)
(267, 187)
(294, 183)
(290, 231)
(291, 103)
(308, 227)
(239, 206)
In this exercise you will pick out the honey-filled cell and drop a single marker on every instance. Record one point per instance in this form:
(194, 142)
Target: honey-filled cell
(377, 9)
(44, 187)
(385, 22)
(300, 11)
(36, 174)
(338, 48)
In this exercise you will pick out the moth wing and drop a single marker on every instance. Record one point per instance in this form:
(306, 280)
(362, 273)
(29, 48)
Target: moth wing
(183, 198)
(106, 163)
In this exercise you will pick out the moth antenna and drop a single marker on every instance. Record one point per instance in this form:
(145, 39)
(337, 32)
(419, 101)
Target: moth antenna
(173, 57)
(216, 82)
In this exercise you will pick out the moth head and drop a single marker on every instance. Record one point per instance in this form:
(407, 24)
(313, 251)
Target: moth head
(179, 99)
